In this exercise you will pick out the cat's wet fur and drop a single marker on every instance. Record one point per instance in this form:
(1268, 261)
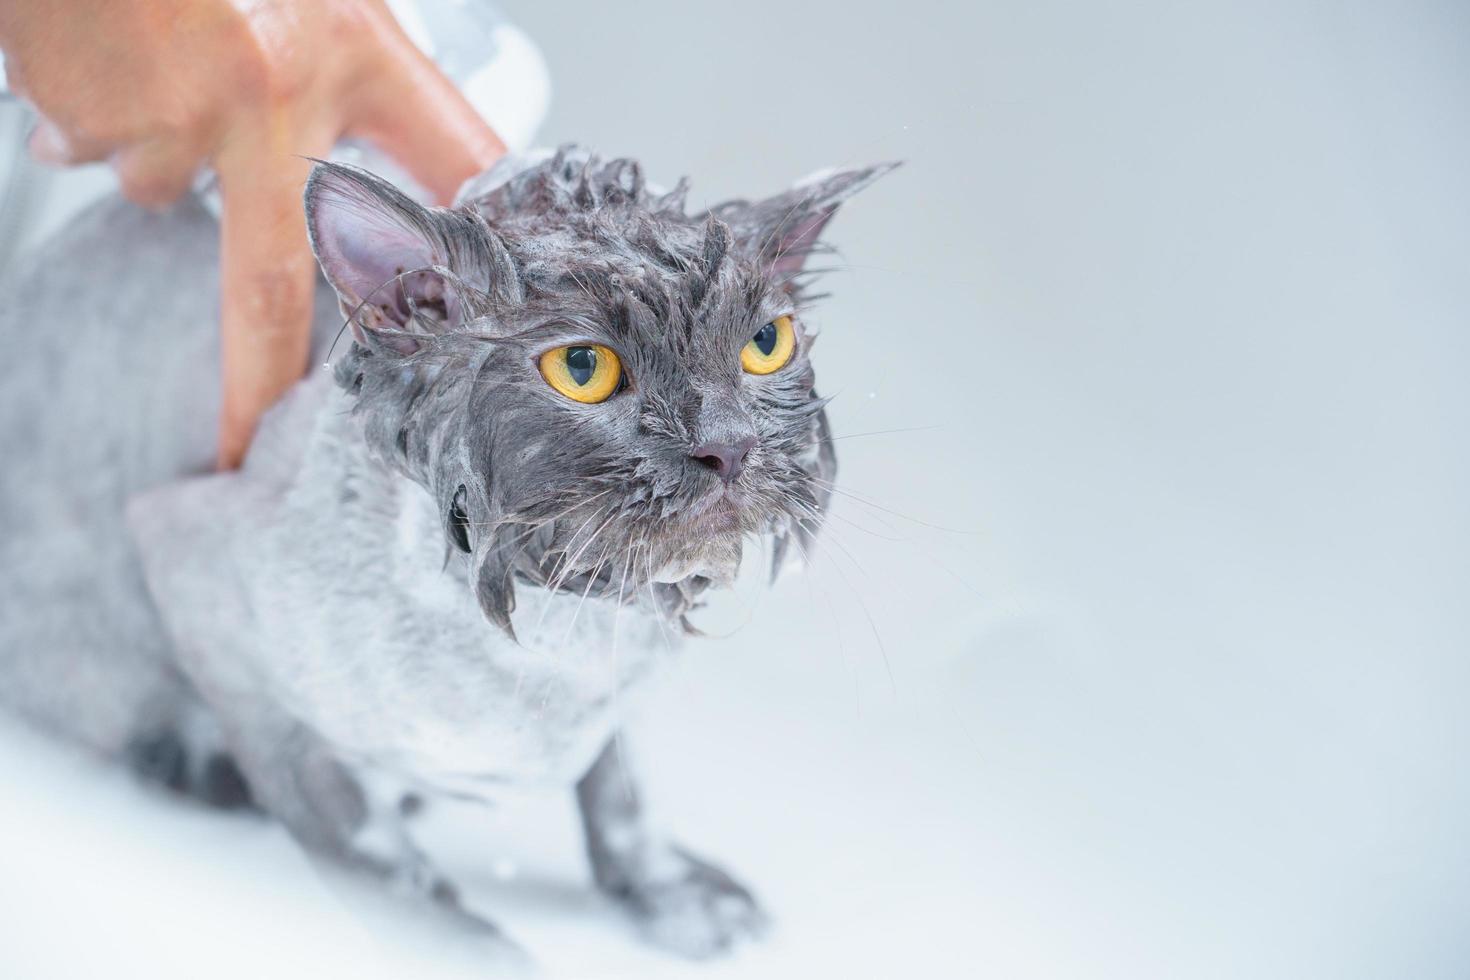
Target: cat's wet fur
(575, 250)
(333, 630)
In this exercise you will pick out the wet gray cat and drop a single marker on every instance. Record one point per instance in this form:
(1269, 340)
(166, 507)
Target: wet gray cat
(564, 390)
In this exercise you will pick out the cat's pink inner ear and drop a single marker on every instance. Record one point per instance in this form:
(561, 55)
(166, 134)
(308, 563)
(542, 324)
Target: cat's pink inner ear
(785, 229)
(361, 250)
(794, 242)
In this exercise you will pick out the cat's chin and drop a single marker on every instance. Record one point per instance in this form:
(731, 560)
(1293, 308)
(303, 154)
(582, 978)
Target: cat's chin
(707, 542)
(713, 555)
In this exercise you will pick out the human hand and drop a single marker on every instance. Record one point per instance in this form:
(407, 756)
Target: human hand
(161, 88)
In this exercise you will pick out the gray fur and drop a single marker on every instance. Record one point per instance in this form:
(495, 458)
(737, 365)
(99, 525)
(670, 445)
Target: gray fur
(321, 615)
(573, 250)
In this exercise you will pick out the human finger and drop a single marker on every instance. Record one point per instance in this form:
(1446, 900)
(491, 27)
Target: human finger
(156, 172)
(50, 144)
(266, 285)
(417, 116)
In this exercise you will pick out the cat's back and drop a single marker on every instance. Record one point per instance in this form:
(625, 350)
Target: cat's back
(111, 380)
(109, 385)
(111, 332)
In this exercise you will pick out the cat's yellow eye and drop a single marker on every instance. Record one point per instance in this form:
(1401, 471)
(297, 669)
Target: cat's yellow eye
(770, 348)
(587, 373)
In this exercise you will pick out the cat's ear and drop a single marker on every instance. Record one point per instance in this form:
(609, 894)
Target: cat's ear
(782, 231)
(399, 269)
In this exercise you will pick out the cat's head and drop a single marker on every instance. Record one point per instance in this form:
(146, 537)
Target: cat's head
(601, 392)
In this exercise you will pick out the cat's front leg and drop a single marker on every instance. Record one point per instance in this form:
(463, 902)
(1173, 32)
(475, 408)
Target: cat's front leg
(681, 902)
(352, 821)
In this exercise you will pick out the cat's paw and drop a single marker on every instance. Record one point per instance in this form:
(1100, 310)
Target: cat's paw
(207, 775)
(693, 908)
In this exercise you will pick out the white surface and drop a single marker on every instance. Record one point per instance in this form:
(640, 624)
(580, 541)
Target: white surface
(1201, 709)
(512, 92)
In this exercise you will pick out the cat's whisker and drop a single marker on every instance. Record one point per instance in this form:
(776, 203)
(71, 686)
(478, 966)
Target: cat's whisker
(921, 549)
(877, 432)
(830, 534)
(834, 488)
(653, 598)
(617, 618)
(522, 515)
(899, 534)
(551, 592)
(527, 535)
(867, 614)
(571, 565)
(842, 651)
(547, 578)
(591, 580)
(524, 540)
(597, 512)
(617, 687)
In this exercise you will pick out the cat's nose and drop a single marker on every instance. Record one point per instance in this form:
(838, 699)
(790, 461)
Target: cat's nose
(727, 459)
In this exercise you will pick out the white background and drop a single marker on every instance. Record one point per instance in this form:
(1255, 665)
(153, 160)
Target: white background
(1173, 299)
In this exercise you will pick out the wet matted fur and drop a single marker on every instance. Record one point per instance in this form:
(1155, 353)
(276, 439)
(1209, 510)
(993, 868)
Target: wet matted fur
(336, 628)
